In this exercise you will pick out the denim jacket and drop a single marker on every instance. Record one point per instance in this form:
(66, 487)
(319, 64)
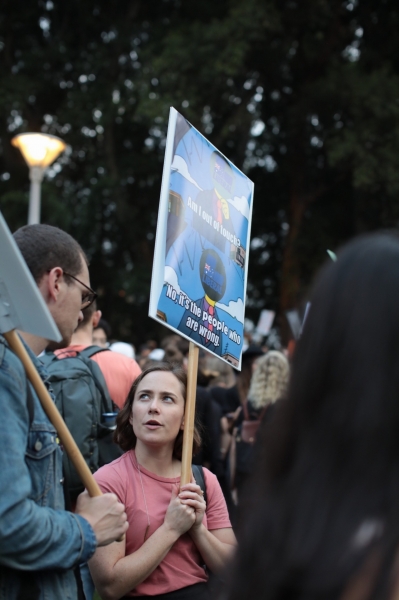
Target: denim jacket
(40, 542)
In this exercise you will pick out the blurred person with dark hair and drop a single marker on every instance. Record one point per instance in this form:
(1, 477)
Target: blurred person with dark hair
(221, 374)
(169, 339)
(322, 513)
(232, 398)
(143, 354)
(152, 344)
(231, 401)
(208, 415)
(101, 332)
(176, 350)
(173, 354)
(174, 531)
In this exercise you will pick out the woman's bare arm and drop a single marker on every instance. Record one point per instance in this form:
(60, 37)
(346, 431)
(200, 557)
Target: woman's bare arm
(216, 546)
(115, 574)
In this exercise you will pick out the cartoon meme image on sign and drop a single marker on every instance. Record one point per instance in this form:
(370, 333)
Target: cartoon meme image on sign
(201, 254)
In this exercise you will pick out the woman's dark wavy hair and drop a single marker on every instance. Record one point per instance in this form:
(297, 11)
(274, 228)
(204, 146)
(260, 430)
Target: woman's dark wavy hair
(322, 510)
(124, 434)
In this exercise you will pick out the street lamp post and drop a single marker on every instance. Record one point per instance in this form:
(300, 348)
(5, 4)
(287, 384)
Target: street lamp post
(39, 151)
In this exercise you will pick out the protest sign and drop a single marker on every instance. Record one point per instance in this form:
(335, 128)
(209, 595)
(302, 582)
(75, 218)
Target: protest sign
(294, 323)
(21, 304)
(265, 321)
(201, 253)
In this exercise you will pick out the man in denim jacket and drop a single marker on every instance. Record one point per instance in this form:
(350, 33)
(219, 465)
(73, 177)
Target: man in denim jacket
(40, 542)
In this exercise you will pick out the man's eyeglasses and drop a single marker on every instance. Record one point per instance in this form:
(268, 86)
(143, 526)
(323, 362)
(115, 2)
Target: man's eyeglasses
(87, 297)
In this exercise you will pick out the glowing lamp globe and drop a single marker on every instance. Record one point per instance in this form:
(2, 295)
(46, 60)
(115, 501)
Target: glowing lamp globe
(38, 149)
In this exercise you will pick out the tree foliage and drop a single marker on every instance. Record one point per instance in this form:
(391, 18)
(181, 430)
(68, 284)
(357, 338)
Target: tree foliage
(303, 96)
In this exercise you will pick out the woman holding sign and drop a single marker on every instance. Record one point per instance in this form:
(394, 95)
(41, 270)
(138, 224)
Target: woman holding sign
(174, 534)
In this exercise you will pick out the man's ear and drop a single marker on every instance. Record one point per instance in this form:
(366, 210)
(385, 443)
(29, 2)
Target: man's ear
(96, 318)
(50, 284)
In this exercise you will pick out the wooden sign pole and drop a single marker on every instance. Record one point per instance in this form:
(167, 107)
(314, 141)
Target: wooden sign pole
(53, 414)
(189, 414)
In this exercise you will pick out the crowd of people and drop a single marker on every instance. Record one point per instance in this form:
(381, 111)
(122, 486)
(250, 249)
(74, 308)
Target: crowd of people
(225, 399)
(295, 476)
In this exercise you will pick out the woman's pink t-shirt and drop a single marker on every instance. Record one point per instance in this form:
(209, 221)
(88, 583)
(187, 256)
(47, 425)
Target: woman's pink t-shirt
(183, 565)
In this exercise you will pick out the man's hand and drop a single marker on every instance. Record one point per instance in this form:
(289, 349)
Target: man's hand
(105, 514)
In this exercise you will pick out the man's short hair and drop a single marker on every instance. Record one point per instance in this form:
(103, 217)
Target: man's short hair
(45, 247)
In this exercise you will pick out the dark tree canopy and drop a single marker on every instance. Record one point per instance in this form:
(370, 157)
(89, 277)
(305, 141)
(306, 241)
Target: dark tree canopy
(303, 96)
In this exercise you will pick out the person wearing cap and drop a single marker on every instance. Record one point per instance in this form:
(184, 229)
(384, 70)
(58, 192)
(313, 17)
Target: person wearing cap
(123, 348)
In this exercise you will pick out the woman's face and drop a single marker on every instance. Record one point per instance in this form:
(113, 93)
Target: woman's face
(158, 409)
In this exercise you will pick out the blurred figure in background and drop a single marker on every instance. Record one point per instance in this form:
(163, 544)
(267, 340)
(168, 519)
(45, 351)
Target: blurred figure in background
(221, 374)
(123, 348)
(176, 349)
(232, 398)
(101, 332)
(269, 381)
(268, 384)
(322, 521)
(143, 357)
(157, 354)
(173, 355)
(230, 401)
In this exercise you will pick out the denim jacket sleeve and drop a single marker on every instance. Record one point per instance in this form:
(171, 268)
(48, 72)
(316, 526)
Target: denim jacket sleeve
(35, 532)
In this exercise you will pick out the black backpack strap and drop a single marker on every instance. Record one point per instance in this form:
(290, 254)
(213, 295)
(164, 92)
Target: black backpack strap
(79, 583)
(99, 381)
(101, 384)
(92, 350)
(198, 473)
